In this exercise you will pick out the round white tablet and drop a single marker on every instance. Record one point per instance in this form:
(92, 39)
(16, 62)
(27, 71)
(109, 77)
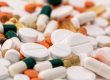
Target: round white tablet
(12, 55)
(61, 12)
(103, 40)
(27, 35)
(21, 77)
(8, 44)
(79, 73)
(3, 72)
(4, 62)
(60, 50)
(37, 51)
(59, 35)
(94, 31)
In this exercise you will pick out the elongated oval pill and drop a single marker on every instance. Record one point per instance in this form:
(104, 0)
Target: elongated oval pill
(97, 66)
(50, 74)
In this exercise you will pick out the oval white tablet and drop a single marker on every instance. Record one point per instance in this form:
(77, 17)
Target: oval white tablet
(59, 35)
(61, 12)
(3, 72)
(21, 77)
(60, 50)
(37, 51)
(94, 31)
(27, 35)
(12, 55)
(80, 73)
(8, 44)
(4, 62)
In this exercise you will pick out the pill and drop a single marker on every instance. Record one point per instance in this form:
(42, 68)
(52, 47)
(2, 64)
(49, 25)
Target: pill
(106, 14)
(42, 66)
(2, 38)
(99, 9)
(60, 50)
(43, 18)
(3, 72)
(10, 34)
(2, 4)
(93, 42)
(37, 51)
(59, 35)
(21, 77)
(107, 30)
(35, 79)
(103, 41)
(94, 31)
(89, 4)
(20, 66)
(40, 37)
(12, 55)
(51, 26)
(93, 65)
(24, 37)
(76, 39)
(4, 62)
(54, 2)
(6, 27)
(80, 73)
(29, 20)
(8, 44)
(84, 48)
(86, 17)
(103, 23)
(102, 54)
(61, 12)
(31, 73)
(50, 74)
(0, 54)
(9, 78)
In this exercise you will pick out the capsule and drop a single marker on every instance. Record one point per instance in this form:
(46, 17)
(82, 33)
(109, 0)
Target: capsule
(43, 18)
(51, 26)
(54, 2)
(7, 27)
(20, 66)
(48, 64)
(86, 17)
(98, 67)
(51, 74)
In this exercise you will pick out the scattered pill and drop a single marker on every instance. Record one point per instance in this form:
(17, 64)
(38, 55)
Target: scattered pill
(21, 77)
(4, 62)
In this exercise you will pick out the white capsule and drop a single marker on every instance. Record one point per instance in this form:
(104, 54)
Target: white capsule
(86, 17)
(21, 77)
(80, 73)
(12, 55)
(42, 22)
(97, 66)
(60, 50)
(4, 62)
(50, 74)
(59, 35)
(61, 12)
(17, 68)
(41, 66)
(51, 26)
(27, 35)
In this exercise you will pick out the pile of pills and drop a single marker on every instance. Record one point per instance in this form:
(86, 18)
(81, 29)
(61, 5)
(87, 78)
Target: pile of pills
(54, 40)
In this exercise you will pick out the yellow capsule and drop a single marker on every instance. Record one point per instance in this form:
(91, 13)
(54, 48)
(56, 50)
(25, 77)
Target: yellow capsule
(67, 63)
(98, 9)
(14, 20)
(19, 25)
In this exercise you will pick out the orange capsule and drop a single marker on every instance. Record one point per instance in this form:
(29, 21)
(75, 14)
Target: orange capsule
(30, 7)
(31, 73)
(89, 4)
(2, 4)
(81, 10)
(48, 40)
(21, 56)
(35, 79)
(83, 30)
(5, 16)
(44, 43)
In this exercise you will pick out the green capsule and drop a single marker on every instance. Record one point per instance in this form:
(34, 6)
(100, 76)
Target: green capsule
(55, 2)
